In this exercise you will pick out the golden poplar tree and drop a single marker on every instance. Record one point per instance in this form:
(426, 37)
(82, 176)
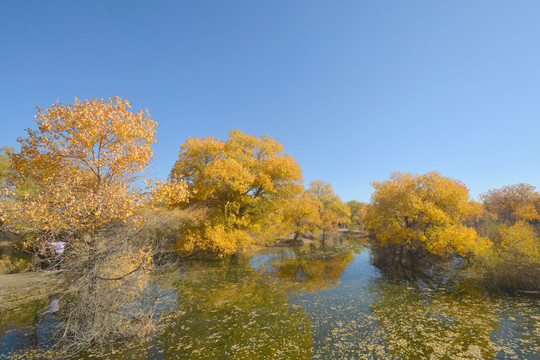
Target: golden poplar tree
(82, 158)
(240, 183)
(332, 210)
(514, 260)
(302, 213)
(422, 214)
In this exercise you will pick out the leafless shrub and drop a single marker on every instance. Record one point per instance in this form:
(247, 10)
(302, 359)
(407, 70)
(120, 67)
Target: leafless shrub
(110, 292)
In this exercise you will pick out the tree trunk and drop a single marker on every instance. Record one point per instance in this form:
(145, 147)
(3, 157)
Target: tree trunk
(400, 259)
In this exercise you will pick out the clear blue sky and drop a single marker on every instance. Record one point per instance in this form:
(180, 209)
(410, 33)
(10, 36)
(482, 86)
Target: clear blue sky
(353, 89)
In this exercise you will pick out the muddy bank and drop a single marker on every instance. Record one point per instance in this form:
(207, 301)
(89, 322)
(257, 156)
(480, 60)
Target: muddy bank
(16, 284)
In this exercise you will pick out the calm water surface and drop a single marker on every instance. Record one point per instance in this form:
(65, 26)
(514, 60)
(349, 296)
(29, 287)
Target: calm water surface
(319, 303)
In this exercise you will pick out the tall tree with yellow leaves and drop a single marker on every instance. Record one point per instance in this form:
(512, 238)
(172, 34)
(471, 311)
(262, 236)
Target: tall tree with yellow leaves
(302, 213)
(358, 211)
(82, 158)
(418, 215)
(240, 183)
(332, 210)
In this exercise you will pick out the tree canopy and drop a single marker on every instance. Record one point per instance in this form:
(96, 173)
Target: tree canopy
(82, 158)
(332, 210)
(513, 203)
(424, 214)
(302, 213)
(240, 183)
(357, 210)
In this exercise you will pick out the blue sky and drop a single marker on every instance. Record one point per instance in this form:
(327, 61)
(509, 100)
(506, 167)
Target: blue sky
(354, 90)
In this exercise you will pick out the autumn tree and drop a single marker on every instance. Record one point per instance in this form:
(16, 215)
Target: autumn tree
(240, 183)
(332, 210)
(82, 158)
(302, 213)
(417, 215)
(513, 203)
(513, 262)
(357, 210)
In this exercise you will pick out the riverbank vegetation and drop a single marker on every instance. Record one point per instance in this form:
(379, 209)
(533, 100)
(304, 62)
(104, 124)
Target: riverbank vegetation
(77, 179)
(418, 219)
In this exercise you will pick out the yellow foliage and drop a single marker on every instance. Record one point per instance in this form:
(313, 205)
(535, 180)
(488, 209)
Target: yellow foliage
(521, 242)
(423, 211)
(513, 203)
(132, 266)
(2, 211)
(82, 158)
(240, 181)
(227, 240)
(514, 259)
(358, 211)
(331, 209)
(444, 242)
(12, 265)
(302, 213)
(169, 193)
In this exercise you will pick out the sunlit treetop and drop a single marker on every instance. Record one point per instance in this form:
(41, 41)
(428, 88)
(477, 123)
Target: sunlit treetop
(94, 138)
(244, 165)
(81, 159)
(423, 211)
(332, 210)
(241, 182)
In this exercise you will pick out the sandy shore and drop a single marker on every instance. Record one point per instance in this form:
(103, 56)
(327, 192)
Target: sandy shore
(18, 283)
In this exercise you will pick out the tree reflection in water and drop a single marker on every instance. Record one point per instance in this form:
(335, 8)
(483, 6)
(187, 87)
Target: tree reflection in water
(312, 270)
(296, 303)
(229, 310)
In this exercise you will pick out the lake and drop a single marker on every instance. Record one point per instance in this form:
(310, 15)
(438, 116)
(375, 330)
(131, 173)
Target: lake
(310, 303)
